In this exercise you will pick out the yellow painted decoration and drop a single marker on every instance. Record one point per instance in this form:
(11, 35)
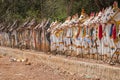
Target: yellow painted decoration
(118, 22)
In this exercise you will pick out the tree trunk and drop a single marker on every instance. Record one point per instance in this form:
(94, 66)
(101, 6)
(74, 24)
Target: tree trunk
(69, 6)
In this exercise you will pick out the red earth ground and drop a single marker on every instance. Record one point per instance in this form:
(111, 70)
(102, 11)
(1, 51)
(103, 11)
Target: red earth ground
(34, 69)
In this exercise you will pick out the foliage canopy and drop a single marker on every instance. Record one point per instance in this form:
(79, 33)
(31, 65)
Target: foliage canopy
(10, 10)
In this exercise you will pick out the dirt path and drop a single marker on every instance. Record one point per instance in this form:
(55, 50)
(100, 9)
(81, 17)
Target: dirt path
(33, 69)
(41, 66)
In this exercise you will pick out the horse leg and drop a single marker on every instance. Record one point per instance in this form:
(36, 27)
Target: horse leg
(111, 59)
(117, 60)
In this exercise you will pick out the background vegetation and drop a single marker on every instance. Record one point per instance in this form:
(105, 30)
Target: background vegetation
(10, 10)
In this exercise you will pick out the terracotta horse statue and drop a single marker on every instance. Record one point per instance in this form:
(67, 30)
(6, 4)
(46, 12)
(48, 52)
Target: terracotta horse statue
(53, 36)
(113, 17)
(109, 21)
(77, 33)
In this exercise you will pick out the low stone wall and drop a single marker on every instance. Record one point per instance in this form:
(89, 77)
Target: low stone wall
(91, 70)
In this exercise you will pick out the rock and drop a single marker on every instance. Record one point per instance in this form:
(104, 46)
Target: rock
(48, 53)
(0, 56)
(87, 77)
(19, 74)
(24, 60)
(28, 63)
(13, 60)
(4, 54)
(58, 68)
(74, 79)
(18, 60)
(97, 79)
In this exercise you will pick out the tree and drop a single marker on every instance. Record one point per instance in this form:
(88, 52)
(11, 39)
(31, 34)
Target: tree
(10, 10)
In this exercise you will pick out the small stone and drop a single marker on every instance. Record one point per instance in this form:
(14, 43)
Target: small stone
(88, 77)
(0, 73)
(97, 79)
(18, 60)
(0, 56)
(73, 79)
(27, 63)
(58, 68)
(4, 54)
(19, 74)
(13, 60)
(23, 60)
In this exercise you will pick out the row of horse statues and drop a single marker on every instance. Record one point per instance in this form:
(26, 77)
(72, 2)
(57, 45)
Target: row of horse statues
(29, 35)
(95, 36)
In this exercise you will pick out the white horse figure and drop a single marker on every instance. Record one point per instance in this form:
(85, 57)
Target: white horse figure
(93, 23)
(52, 36)
(111, 19)
(97, 18)
(79, 35)
(87, 22)
(74, 24)
(68, 35)
(100, 19)
(105, 18)
(85, 33)
(64, 39)
(115, 17)
(59, 39)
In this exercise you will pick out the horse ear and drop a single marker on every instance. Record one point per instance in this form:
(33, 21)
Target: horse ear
(115, 4)
(72, 16)
(82, 12)
(97, 14)
(68, 18)
(76, 15)
(103, 10)
(92, 14)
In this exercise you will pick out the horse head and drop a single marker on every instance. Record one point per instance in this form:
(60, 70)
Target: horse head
(88, 21)
(83, 16)
(112, 13)
(106, 15)
(97, 17)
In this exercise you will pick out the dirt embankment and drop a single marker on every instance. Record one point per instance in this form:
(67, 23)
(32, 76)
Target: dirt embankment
(40, 66)
(33, 69)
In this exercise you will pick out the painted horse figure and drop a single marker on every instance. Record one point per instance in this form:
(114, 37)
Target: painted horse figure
(79, 35)
(112, 24)
(115, 20)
